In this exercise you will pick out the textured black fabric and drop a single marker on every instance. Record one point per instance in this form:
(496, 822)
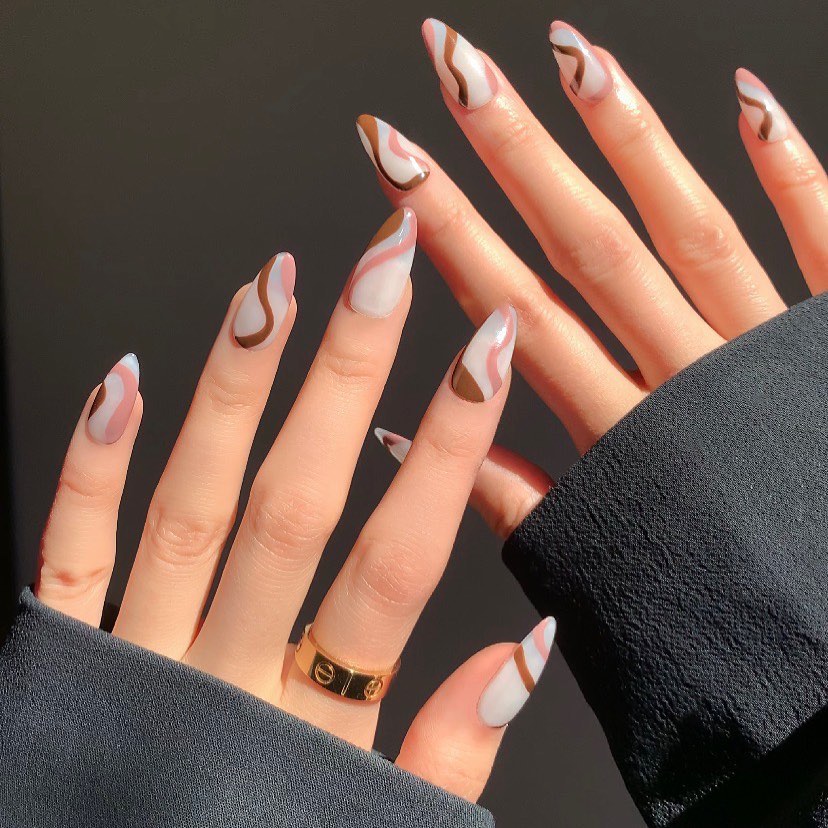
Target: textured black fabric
(686, 561)
(97, 733)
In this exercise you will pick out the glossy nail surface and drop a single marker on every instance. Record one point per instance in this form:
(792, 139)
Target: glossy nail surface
(113, 404)
(266, 303)
(396, 444)
(397, 160)
(483, 365)
(381, 274)
(579, 64)
(461, 68)
(760, 108)
(509, 689)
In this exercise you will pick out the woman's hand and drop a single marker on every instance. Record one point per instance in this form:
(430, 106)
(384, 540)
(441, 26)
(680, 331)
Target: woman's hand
(588, 241)
(295, 503)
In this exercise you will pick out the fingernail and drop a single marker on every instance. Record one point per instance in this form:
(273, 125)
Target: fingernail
(266, 303)
(397, 160)
(482, 366)
(113, 404)
(462, 70)
(579, 64)
(760, 108)
(508, 691)
(396, 444)
(379, 279)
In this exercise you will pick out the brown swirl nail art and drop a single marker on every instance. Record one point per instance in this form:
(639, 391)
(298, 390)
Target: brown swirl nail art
(397, 160)
(112, 407)
(461, 68)
(760, 108)
(266, 303)
(579, 64)
(481, 369)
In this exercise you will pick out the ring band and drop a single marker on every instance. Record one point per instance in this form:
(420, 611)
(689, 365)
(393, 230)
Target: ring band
(341, 679)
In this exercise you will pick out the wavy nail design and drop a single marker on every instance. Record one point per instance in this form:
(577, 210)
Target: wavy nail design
(381, 274)
(482, 366)
(396, 444)
(113, 404)
(509, 689)
(760, 108)
(461, 68)
(266, 303)
(579, 64)
(397, 160)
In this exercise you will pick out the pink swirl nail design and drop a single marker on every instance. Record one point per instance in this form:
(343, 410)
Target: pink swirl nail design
(461, 68)
(397, 160)
(266, 303)
(580, 66)
(396, 444)
(760, 108)
(482, 366)
(380, 276)
(509, 689)
(113, 404)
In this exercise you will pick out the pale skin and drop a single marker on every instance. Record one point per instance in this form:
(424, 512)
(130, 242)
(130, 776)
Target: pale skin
(299, 492)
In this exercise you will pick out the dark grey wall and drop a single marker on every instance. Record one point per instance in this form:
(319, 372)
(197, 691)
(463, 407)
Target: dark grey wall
(155, 154)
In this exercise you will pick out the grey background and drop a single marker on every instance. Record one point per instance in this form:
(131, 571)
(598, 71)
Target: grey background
(155, 154)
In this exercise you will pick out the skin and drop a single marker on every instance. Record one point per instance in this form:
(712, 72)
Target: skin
(300, 490)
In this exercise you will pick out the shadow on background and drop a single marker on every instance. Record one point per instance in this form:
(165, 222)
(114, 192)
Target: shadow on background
(154, 156)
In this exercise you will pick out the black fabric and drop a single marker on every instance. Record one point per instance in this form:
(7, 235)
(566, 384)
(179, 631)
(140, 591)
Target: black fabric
(686, 561)
(97, 733)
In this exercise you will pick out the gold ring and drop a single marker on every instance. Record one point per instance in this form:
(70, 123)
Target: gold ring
(341, 679)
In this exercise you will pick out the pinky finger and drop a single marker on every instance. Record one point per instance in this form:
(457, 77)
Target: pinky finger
(77, 551)
(455, 737)
(506, 489)
(791, 175)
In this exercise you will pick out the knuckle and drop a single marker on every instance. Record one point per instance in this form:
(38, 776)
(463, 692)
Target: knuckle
(229, 393)
(290, 524)
(72, 583)
(801, 174)
(631, 136)
(392, 574)
(348, 360)
(85, 490)
(602, 255)
(517, 137)
(703, 240)
(180, 540)
(454, 223)
(451, 445)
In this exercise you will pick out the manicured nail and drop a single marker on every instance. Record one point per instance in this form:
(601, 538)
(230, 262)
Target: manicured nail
(113, 404)
(266, 303)
(760, 108)
(381, 274)
(396, 444)
(509, 690)
(462, 70)
(397, 160)
(579, 64)
(482, 366)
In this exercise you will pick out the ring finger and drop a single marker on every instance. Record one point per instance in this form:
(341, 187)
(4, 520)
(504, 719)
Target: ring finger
(399, 557)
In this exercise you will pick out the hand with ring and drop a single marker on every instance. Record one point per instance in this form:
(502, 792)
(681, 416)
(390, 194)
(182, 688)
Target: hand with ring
(348, 656)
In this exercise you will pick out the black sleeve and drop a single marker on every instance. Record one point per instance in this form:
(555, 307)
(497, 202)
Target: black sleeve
(98, 733)
(685, 557)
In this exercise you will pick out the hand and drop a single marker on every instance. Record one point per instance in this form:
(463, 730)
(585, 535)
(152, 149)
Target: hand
(295, 502)
(587, 240)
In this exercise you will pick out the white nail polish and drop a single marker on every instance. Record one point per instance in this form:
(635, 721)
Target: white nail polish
(396, 444)
(381, 274)
(760, 108)
(265, 305)
(510, 687)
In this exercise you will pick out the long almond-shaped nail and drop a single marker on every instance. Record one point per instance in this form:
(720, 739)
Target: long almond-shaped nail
(379, 279)
(509, 689)
(462, 70)
(397, 160)
(579, 64)
(113, 404)
(266, 303)
(482, 367)
(396, 444)
(760, 108)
